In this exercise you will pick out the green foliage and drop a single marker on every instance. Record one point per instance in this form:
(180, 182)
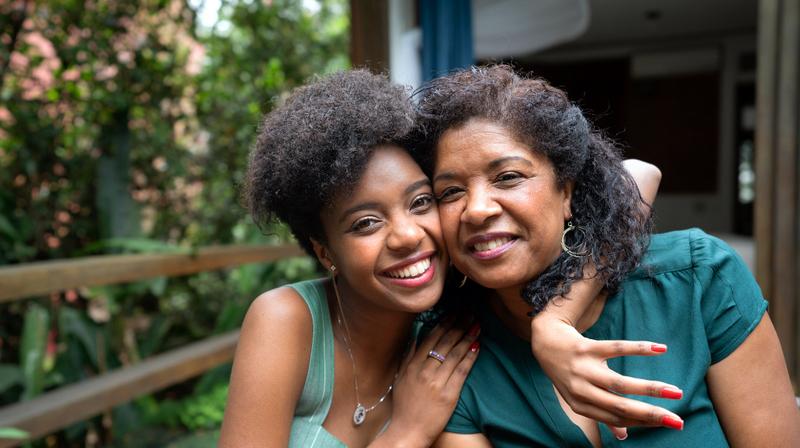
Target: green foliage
(13, 434)
(125, 128)
(32, 350)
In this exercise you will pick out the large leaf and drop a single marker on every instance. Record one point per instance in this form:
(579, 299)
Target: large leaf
(75, 325)
(32, 350)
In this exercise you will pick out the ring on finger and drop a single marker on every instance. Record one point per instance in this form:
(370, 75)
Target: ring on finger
(436, 355)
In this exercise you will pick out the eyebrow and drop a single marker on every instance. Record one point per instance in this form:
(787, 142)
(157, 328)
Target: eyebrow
(497, 162)
(358, 208)
(373, 205)
(447, 175)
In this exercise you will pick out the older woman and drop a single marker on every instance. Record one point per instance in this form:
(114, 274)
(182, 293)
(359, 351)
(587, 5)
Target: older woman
(528, 194)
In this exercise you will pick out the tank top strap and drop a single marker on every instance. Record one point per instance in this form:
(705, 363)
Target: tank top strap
(315, 400)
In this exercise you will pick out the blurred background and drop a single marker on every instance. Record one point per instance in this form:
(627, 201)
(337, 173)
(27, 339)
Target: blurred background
(128, 263)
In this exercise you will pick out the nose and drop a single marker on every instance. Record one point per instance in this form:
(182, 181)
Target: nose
(405, 235)
(480, 207)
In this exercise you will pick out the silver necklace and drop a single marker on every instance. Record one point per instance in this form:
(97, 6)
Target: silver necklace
(361, 411)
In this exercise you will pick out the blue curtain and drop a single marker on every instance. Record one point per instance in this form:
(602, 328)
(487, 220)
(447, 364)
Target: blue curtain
(446, 36)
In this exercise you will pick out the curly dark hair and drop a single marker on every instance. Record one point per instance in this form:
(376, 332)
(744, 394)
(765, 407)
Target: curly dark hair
(314, 147)
(606, 203)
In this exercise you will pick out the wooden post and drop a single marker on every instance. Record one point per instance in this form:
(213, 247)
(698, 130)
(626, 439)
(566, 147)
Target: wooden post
(777, 206)
(369, 34)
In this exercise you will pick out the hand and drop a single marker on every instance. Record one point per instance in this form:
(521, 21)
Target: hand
(579, 370)
(427, 390)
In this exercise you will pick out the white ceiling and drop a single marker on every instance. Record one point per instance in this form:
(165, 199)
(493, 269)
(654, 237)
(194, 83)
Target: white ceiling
(611, 22)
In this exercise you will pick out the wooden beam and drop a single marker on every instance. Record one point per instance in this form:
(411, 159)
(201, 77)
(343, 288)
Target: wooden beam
(369, 34)
(69, 404)
(765, 141)
(777, 206)
(39, 278)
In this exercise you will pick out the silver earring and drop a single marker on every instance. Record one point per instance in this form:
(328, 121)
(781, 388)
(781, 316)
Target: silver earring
(463, 281)
(574, 252)
(333, 269)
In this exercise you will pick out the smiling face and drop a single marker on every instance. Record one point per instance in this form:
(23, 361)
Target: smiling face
(501, 209)
(384, 236)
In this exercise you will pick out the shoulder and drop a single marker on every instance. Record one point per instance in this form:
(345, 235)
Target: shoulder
(278, 306)
(691, 249)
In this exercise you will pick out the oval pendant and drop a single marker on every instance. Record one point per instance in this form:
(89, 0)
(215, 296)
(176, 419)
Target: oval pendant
(359, 415)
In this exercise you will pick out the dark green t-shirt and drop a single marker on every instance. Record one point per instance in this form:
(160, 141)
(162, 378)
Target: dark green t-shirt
(693, 293)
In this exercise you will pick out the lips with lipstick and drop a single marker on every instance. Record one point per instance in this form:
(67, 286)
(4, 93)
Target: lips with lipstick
(412, 272)
(490, 246)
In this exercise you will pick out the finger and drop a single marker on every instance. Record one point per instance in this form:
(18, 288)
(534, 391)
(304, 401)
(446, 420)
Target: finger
(620, 384)
(460, 350)
(613, 349)
(621, 411)
(620, 433)
(433, 337)
(459, 374)
(446, 343)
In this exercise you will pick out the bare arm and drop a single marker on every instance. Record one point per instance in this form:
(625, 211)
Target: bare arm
(577, 365)
(453, 440)
(647, 177)
(752, 394)
(269, 370)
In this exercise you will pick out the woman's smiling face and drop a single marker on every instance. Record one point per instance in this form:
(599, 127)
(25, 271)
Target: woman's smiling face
(501, 209)
(384, 236)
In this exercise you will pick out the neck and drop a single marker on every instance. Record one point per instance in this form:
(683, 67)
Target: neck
(378, 337)
(514, 312)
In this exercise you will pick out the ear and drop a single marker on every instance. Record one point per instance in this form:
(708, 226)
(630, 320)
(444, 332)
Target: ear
(567, 201)
(322, 253)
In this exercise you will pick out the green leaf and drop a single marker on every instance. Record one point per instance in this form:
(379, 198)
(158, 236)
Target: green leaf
(7, 228)
(13, 434)
(32, 350)
(10, 376)
(74, 324)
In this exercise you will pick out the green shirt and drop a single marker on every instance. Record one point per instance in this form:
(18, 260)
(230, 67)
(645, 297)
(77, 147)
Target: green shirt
(693, 293)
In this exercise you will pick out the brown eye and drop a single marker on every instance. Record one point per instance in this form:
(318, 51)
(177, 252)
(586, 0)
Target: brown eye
(422, 203)
(450, 194)
(508, 178)
(365, 224)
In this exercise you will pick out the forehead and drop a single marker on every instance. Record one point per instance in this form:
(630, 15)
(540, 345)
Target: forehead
(479, 141)
(389, 172)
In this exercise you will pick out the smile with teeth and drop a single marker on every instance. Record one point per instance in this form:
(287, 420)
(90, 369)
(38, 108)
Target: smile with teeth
(489, 245)
(411, 271)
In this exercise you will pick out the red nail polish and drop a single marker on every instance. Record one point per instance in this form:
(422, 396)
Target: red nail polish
(474, 346)
(658, 348)
(671, 392)
(474, 329)
(672, 422)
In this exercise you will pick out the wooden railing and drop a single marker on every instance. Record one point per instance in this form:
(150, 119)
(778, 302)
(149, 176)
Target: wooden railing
(64, 406)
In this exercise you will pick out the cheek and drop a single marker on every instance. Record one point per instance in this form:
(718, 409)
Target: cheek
(449, 219)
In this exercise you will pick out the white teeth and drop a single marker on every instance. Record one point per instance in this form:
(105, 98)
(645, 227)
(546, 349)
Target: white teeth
(489, 245)
(415, 270)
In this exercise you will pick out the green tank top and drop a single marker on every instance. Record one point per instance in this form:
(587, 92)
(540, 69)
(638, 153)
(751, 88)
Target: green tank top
(315, 400)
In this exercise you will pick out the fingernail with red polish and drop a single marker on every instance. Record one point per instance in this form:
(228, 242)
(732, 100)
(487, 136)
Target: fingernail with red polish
(658, 348)
(672, 422)
(474, 346)
(474, 329)
(671, 392)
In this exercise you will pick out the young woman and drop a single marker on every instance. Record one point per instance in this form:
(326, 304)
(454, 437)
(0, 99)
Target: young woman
(322, 363)
(528, 195)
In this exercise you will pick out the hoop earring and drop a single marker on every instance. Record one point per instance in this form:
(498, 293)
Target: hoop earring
(463, 281)
(574, 252)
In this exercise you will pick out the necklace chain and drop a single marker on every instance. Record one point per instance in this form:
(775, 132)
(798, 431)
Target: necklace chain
(360, 413)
